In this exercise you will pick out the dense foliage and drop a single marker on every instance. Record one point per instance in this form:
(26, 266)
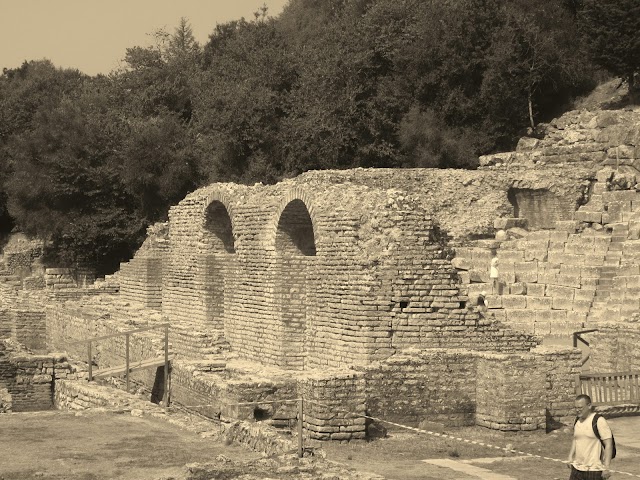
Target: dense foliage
(89, 162)
(611, 29)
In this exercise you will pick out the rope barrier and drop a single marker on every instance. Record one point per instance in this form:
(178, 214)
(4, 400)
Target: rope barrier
(291, 400)
(461, 439)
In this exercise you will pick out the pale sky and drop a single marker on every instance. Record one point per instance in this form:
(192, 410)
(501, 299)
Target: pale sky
(92, 35)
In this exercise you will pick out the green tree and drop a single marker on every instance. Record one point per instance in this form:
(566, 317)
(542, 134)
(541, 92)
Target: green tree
(240, 101)
(24, 91)
(65, 185)
(611, 30)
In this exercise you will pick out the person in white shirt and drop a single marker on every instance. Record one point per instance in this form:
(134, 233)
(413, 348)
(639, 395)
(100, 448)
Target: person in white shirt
(587, 459)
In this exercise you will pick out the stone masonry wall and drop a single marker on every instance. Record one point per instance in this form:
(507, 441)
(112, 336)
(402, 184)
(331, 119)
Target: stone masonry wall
(330, 399)
(436, 385)
(497, 406)
(317, 277)
(141, 278)
(614, 348)
(30, 379)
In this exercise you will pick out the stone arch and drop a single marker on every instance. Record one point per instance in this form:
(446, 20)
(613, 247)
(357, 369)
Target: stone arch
(218, 225)
(217, 257)
(295, 261)
(294, 228)
(294, 234)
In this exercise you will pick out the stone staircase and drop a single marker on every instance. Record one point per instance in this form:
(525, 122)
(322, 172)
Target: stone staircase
(608, 272)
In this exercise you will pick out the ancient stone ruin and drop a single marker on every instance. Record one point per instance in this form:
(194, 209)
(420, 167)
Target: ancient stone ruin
(356, 290)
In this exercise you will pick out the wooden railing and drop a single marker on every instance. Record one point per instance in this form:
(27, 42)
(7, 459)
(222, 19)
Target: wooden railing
(610, 388)
(128, 366)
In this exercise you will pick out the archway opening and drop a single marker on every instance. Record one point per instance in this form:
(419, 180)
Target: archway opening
(295, 257)
(219, 233)
(217, 258)
(295, 231)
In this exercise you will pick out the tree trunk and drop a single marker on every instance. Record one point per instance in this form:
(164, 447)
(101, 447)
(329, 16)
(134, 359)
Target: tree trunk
(533, 125)
(630, 79)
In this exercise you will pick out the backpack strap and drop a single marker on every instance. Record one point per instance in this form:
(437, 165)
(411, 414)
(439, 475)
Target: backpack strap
(594, 424)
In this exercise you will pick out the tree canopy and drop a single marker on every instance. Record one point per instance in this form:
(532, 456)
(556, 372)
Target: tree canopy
(611, 29)
(88, 162)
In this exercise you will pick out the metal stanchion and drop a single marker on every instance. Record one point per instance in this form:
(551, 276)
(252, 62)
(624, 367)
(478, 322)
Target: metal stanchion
(300, 420)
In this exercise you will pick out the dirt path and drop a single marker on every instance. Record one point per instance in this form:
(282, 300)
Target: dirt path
(64, 446)
(60, 445)
(410, 456)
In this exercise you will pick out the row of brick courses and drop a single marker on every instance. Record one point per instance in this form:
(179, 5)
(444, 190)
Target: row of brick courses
(335, 405)
(29, 328)
(30, 379)
(562, 366)
(60, 278)
(437, 385)
(141, 281)
(498, 378)
(6, 323)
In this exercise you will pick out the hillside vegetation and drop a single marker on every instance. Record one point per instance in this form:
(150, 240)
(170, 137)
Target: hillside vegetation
(89, 162)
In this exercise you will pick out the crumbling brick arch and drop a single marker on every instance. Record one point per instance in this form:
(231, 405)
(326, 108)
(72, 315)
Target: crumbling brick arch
(294, 229)
(217, 223)
(295, 260)
(217, 255)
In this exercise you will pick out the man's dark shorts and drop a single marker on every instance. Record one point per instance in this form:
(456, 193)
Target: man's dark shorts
(578, 475)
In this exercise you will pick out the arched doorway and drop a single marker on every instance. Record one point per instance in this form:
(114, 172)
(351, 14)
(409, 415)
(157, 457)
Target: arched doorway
(295, 255)
(219, 250)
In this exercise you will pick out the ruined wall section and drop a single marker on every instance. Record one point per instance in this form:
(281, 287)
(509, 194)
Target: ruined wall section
(141, 278)
(465, 203)
(27, 381)
(592, 138)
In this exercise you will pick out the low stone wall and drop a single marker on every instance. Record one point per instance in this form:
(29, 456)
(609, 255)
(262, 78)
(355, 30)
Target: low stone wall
(30, 379)
(74, 395)
(435, 385)
(544, 380)
(60, 278)
(331, 400)
(458, 387)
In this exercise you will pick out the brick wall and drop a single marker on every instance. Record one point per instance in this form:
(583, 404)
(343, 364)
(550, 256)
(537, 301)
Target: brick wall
(330, 398)
(497, 406)
(30, 379)
(29, 328)
(434, 385)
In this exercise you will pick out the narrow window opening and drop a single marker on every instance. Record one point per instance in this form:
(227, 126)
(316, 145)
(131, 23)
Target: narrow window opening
(261, 414)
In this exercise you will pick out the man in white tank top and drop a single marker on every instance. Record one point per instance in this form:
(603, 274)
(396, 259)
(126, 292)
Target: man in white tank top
(586, 458)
